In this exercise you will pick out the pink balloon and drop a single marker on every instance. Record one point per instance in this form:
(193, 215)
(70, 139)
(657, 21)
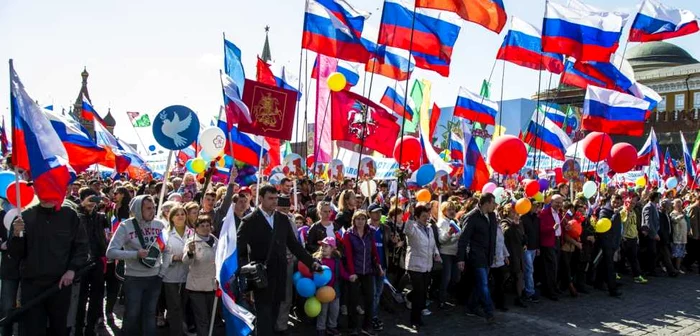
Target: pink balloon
(488, 187)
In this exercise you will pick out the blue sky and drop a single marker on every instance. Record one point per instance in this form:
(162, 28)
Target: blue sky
(145, 55)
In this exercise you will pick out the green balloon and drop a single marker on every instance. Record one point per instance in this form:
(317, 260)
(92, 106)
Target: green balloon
(312, 307)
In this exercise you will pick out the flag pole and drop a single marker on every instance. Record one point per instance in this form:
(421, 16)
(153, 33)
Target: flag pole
(213, 315)
(165, 179)
(137, 133)
(306, 105)
(12, 116)
(260, 173)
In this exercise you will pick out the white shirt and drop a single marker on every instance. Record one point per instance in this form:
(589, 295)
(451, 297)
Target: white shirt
(329, 230)
(269, 217)
(557, 223)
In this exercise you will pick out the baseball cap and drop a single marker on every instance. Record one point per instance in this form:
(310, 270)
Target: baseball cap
(330, 241)
(373, 208)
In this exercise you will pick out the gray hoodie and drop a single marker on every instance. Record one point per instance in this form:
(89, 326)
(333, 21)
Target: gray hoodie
(125, 242)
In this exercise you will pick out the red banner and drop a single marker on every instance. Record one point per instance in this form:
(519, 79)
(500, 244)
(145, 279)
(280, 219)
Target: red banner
(271, 109)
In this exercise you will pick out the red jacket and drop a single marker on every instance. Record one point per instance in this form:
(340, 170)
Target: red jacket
(547, 235)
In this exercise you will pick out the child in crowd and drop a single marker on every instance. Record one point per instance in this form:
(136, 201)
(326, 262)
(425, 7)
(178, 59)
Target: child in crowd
(329, 256)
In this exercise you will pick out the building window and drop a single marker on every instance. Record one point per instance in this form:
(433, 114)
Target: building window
(662, 105)
(675, 115)
(696, 105)
(679, 101)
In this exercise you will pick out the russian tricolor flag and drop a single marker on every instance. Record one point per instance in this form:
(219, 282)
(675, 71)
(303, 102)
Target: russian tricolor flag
(475, 173)
(491, 14)
(333, 28)
(433, 63)
(585, 35)
(239, 321)
(388, 62)
(37, 148)
(395, 102)
(523, 46)
(88, 112)
(650, 151)
(613, 112)
(656, 22)
(690, 173)
(545, 135)
(138, 168)
(475, 108)
(558, 117)
(115, 158)
(282, 82)
(348, 69)
(577, 78)
(82, 150)
(245, 149)
(236, 110)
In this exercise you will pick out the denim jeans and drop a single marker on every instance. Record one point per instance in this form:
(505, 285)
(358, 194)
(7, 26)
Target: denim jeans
(529, 261)
(8, 300)
(378, 287)
(141, 295)
(481, 291)
(450, 274)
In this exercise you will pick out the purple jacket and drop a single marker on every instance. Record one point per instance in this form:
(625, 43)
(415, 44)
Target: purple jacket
(361, 252)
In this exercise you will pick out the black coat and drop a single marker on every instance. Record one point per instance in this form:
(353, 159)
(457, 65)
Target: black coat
(344, 220)
(254, 242)
(531, 225)
(479, 236)
(316, 233)
(612, 238)
(664, 228)
(9, 267)
(514, 239)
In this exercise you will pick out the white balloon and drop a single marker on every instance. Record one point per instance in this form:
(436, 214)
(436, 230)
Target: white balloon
(213, 142)
(368, 188)
(9, 218)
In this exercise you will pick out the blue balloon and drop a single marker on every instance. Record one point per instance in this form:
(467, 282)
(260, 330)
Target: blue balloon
(322, 278)
(544, 184)
(151, 148)
(6, 178)
(425, 174)
(188, 165)
(306, 287)
(296, 276)
(228, 161)
(671, 182)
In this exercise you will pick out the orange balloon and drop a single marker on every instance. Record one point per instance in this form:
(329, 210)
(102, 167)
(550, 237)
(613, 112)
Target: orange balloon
(423, 195)
(523, 206)
(325, 294)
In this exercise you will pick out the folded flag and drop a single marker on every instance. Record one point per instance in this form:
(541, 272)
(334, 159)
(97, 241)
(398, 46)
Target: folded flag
(567, 121)
(264, 73)
(476, 173)
(575, 77)
(334, 28)
(523, 46)
(585, 35)
(236, 110)
(690, 173)
(475, 108)
(115, 157)
(233, 66)
(88, 112)
(491, 14)
(432, 63)
(358, 120)
(4, 143)
(37, 148)
(656, 22)
(115, 224)
(613, 112)
(388, 62)
(81, 149)
(138, 120)
(650, 151)
(395, 102)
(543, 134)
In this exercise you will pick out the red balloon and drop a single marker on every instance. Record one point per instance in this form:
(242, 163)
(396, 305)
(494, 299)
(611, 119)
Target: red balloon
(507, 154)
(310, 160)
(411, 152)
(532, 187)
(26, 194)
(596, 146)
(575, 229)
(623, 157)
(305, 271)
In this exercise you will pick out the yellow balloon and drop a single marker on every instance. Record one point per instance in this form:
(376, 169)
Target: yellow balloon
(539, 197)
(337, 82)
(641, 182)
(198, 165)
(221, 162)
(603, 225)
(523, 206)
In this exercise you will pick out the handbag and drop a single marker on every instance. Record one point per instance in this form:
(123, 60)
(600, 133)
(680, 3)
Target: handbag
(153, 252)
(255, 274)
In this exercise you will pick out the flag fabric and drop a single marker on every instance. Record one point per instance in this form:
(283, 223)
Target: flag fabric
(48, 107)
(115, 157)
(613, 112)
(690, 173)
(81, 149)
(264, 73)
(650, 151)
(429, 152)
(694, 155)
(160, 240)
(245, 148)
(415, 102)
(348, 69)
(356, 118)
(239, 321)
(186, 154)
(434, 118)
(233, 66)
(543, 134)
(272, 112)
(575, 77)
(485, 92)
(656, 22)
(668, 167)
(88, 113)
(607, 73)
(283, 83)
(323, 146)
(473, 107)
(456, 147)
(236, 111)
(37, 148)
(432, 63)
(138, 120)
(523, 46)
(585, 35)
(137, 168)
(491, 14)
(565, 120)
(476, 173)
(498, 130)
(642, 91)
(388, 62)
(395, 102)
(3, 138)
(115, 224)
(334, 28)
(432, 32)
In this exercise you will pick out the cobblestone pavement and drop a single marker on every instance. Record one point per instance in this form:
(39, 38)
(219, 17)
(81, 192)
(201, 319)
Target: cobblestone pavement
(664, 306)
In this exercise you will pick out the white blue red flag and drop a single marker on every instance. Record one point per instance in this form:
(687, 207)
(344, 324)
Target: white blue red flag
(656, 22)
(523, 46)
(116, 158)
(475, 173)
(650, 151)
(334, 28)
(545, 135)
(613, 112)
(82, 150)
(476, 108)
(690, 173)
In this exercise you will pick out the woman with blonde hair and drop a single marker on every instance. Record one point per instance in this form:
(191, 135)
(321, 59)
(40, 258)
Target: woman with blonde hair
(173, 271)
(448, 236)
(192, 209)
(347, 203)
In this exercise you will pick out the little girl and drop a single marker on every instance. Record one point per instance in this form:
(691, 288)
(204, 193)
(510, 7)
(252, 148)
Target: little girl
(329, 256)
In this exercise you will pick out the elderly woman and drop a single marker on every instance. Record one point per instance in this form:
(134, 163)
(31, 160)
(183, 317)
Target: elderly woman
(448, 235)
(420, 254)
(199, 254)
(679, 230)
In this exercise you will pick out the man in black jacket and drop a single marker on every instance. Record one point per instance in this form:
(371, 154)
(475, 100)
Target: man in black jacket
(663, 246)
(51, 246)
(268, 235)
(609, 241)
(92, 284)
(531, 224)
(477, 246)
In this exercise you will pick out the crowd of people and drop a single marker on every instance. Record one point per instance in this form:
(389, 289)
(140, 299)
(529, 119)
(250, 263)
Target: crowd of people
(123, 244)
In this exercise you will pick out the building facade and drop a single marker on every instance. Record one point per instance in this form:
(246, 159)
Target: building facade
(76, 111)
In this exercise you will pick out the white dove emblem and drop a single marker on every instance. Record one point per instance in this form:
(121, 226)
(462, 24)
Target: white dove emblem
(173, 128)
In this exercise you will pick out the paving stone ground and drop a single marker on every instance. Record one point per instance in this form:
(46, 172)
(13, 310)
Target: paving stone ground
(664, 306)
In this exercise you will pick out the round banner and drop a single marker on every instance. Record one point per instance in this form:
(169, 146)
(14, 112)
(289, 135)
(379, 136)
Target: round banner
(176, 127)
(571, 169)
(368, 168)
(293, 164)
(336, 170)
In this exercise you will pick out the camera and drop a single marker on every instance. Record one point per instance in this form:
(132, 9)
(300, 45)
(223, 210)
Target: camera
(255, 275)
